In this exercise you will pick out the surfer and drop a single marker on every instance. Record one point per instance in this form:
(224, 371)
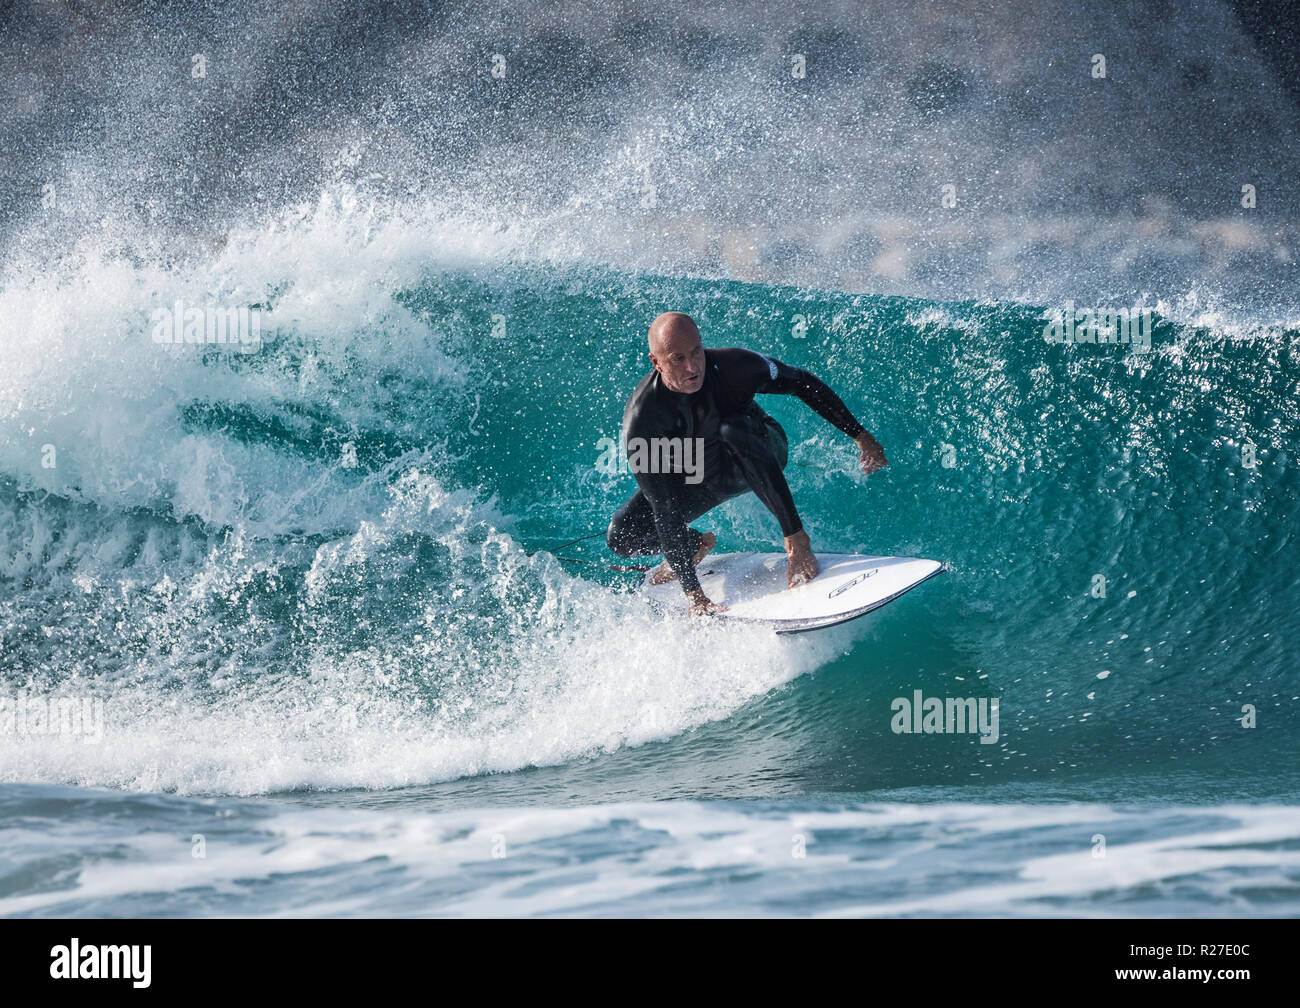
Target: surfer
(708, 396)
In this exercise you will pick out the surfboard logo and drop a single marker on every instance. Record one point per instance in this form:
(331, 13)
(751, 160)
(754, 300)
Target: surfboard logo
(849, 584)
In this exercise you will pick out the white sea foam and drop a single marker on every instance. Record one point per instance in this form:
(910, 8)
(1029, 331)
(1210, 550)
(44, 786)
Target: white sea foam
(686, 858)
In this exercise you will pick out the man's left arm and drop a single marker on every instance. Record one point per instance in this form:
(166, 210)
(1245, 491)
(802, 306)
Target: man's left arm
(782, 379)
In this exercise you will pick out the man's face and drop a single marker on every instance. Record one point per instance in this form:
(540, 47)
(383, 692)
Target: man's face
(679, 359)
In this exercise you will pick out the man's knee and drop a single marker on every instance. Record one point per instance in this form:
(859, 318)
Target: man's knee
(737, 434)
(632, 533)
(740, 436)
(616, 539)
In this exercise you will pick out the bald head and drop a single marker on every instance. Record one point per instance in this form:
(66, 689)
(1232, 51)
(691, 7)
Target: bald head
(677, 352)
(671, 325)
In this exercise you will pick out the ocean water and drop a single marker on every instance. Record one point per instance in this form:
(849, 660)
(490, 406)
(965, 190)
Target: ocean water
(281, 634)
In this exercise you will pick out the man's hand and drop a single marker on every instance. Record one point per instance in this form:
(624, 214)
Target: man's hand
(873, 455)
(801, 565)
(701, 606)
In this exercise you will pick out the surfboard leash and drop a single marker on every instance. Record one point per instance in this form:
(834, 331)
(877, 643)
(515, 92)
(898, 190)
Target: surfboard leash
(625, 568)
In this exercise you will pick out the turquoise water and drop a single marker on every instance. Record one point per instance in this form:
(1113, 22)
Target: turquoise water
(307, 590)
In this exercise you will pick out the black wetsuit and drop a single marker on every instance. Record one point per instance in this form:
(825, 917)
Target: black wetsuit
(744, 450)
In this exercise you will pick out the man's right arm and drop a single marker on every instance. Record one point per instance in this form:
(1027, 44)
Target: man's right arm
(663, 491)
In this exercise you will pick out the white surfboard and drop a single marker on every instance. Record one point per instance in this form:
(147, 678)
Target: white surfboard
(752, 586)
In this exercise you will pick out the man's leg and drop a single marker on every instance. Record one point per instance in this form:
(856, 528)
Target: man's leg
(632, 531)
(759, 450)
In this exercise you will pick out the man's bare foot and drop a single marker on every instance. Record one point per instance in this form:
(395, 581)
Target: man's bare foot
(664, 573)
(801, 566)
